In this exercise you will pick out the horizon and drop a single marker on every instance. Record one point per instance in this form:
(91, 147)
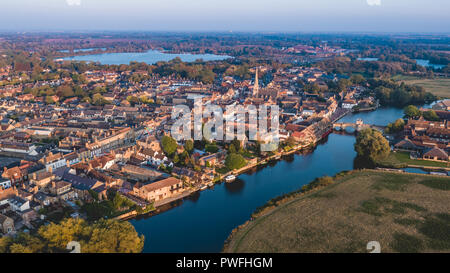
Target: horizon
(223, 32)
(285, 16)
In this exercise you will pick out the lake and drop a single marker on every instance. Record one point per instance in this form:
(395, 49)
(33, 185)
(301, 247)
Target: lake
(426, 63)
(149, 57)
(82, 50)
(202, 223)
(368, 59)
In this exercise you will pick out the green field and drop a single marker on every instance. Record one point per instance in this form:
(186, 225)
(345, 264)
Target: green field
(439, 86)
(403, 212)
(402, 159)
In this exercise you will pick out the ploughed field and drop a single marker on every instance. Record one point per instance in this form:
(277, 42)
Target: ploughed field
(403, 212)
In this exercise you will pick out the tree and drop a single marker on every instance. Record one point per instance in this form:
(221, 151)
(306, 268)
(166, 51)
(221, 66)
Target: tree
(109, 236)
(412, 111)
(311, 88)
(236, 143)
(176, 159)
(357, 78)
(98, 99)
(395, 127)
(343, 84)
(189, 146)
(431, 115)
(235, 161)
(231, 149)
(133, 100)
(211, 148)
(169, 144)
(103, 236)
(49, 100)
(371, 145)
(65, 91)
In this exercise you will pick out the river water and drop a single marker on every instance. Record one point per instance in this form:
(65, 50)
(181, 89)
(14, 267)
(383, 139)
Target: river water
(202, 222)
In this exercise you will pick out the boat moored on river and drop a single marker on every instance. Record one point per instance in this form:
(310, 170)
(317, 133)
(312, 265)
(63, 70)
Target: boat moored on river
(230, 178)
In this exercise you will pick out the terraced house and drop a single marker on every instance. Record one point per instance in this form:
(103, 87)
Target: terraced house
(159, 190)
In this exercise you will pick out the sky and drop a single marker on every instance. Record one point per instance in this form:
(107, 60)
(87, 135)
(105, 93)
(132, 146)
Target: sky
(420, 16)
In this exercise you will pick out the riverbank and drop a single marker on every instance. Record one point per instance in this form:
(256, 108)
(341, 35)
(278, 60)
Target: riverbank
(348, 211)
(400, 160)
(221, 178)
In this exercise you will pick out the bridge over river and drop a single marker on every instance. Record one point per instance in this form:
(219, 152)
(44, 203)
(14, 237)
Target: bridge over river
(358, 126)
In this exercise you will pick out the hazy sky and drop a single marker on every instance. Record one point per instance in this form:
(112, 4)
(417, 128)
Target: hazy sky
(227, 15)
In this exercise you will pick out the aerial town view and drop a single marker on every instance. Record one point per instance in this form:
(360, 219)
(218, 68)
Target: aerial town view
(137, 128)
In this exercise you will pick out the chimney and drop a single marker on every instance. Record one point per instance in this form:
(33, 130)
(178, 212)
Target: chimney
(68, 163)
(50, 169)
(34, 176)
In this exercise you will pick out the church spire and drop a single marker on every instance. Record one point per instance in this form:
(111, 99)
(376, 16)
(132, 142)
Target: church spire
(256, 84)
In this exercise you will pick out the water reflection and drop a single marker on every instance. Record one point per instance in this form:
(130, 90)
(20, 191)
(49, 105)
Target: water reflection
(235, 187)
(288, 158)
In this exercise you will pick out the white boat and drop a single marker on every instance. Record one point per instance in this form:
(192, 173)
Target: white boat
(230, 178)
(439, 173)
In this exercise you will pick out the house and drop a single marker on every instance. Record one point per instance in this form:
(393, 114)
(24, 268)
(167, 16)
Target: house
(43, 199)
(212, 159)
(407, 145)
(53, 161)
(308, 111)
(41, 179)
(6, 224)
(72, 158)
(140, 173)
(17, 148)
(6, 194)
(104, 162)
(436, 154)
(153, 157)
(150, 143)
(349, 104)
(186, 173)
(6, 127)
(442, 105)
(16, 175)
(5, 183)
(62, 190)
(19, 204)
(159, 190)
(83, 187)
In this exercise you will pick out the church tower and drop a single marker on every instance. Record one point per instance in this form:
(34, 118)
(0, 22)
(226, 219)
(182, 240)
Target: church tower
(256, 84)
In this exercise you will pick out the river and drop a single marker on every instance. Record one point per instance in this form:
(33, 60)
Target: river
(202, 222)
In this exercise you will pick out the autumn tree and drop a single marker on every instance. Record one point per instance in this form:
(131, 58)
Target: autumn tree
(169, 144)
(189, 146)
(235, 161)
(103, 236)
(371, 145)
(412, 111)
(430, 115)
(395, 127)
